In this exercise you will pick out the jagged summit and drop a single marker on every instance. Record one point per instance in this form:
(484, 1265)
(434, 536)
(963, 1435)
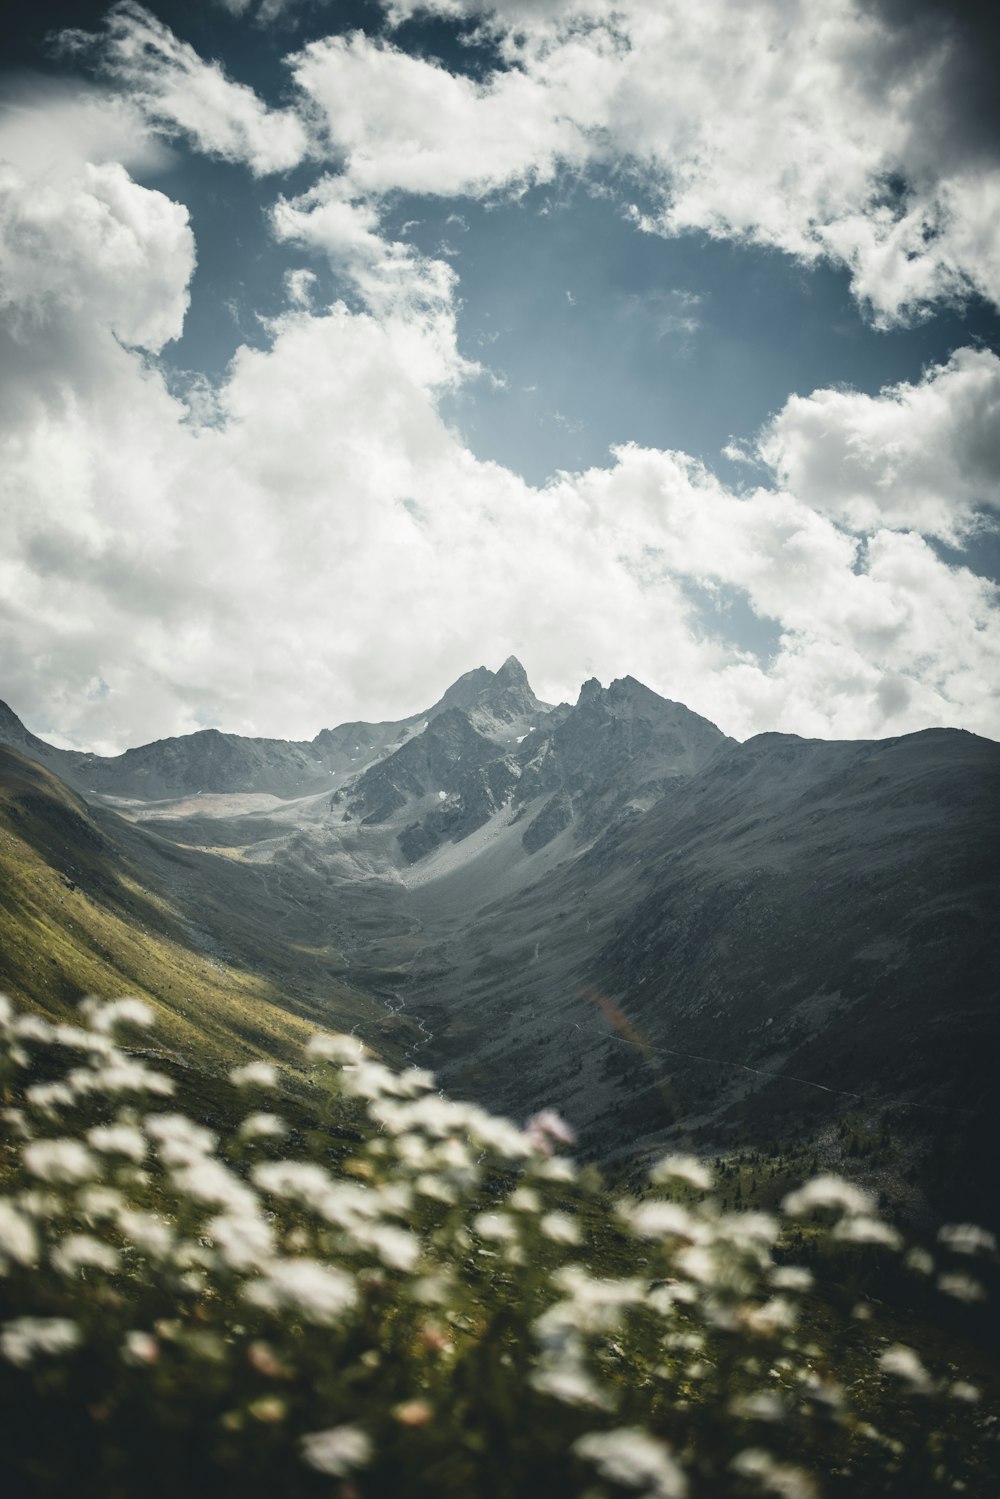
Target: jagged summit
(511, 674)
(505, 695)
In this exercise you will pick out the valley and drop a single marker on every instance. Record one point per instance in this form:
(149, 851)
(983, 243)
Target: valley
(607, 907)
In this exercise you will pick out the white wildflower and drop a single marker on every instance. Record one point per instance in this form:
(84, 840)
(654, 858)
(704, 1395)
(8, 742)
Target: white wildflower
(397, 1248)
(33, 1028)
(919, 1261)
(245, 1240)
(684, 1168)
(207, 1180)
(772, 1476)
(25, 1337)
(546, 1129)
(761, 1405)
(495, 1226)
(498, 1135)
(452, 1156)
(49, 1098)
(105, 1018)
(791, 1278)
(570, 1383)
(867, 1231)
(263, 1127)
(592, 1304)
(967, 1238)
(16, 1121)
(961, 1286)
(118, 1139)
(121, 1074)
(828, 1191)
(369, 1079)
(98, 1201)
(18, 1241)
(414, 1080)
(560, 1228)
(556, 1169)
(333, 1047)
(337, 1451)
(749, 1230)
(319, 1292)
(774, 1315)
(62, 1160)
(140, 1348)
(632, 1458)
(698, 1263)
(525, 1200)
(302, 1181)
(149, 1233)
(903, 1363)
(178, 1139)
(962, 1390)
(663, 1220)
(254, 1075)
(434, 1187)
(74, 1038)
(82, 1252)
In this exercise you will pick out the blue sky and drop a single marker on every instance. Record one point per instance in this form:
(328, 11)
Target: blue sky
(348, 346)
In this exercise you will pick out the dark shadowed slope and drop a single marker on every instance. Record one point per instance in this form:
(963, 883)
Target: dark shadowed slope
(819, 911)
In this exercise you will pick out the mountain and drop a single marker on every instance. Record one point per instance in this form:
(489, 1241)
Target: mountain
(90, 904)
(607, 906)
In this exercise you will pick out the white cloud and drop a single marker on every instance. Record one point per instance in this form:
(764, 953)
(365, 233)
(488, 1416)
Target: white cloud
(404, 122)
(813, 126)
(925, 456)
(332, 550)
(387, 274)
(182, 94)
(95, 249)
(329, 549)
(49, 128)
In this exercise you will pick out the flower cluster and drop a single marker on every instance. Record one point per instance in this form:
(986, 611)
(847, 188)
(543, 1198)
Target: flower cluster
(423, 1299)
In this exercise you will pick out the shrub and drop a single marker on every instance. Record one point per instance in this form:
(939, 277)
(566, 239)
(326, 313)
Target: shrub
(448, 1307)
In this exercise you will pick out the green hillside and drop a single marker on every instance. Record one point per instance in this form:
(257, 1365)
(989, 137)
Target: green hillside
(80, 914)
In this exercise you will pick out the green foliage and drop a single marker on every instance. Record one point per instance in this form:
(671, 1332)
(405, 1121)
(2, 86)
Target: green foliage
(405, 1296)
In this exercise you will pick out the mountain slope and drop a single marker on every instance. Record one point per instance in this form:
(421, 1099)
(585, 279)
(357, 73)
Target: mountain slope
(824, 912)
(89, 905)
(613, 908)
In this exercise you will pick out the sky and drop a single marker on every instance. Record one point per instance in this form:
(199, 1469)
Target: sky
(346, 345)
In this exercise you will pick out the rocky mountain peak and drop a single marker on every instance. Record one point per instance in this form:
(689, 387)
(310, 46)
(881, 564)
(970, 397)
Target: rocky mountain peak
(511, 674)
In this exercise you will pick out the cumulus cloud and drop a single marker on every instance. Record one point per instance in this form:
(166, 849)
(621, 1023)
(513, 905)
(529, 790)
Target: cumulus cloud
(923, 455)
(332, 549)
(49, 127)
(328, 548)
(95, 248)
(406, 122)
(182, 94)
(831, 130)
(387, 274)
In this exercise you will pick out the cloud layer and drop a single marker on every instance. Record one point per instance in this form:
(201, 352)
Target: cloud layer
(326, 547)
(820, 129)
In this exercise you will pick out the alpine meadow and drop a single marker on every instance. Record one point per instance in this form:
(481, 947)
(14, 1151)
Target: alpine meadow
(500, 749)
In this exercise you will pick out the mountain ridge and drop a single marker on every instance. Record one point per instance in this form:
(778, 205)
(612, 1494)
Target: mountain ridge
(606, 904)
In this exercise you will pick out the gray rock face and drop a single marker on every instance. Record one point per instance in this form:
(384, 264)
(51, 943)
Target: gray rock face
(619, 749)
(211, 761)
(429, 764)
(614, 909)
(798, 928)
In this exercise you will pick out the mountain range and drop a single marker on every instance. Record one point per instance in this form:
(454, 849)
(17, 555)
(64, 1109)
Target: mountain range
(610, 907)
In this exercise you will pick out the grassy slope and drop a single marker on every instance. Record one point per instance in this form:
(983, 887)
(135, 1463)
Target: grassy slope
(79, 916)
